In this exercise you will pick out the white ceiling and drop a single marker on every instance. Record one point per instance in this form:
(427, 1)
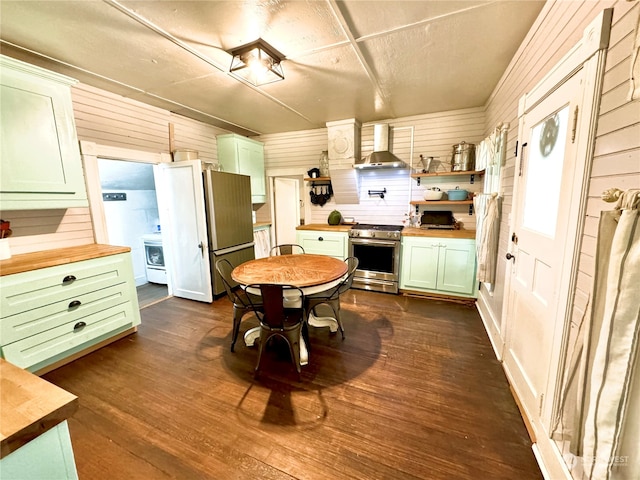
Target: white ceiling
(369, 60)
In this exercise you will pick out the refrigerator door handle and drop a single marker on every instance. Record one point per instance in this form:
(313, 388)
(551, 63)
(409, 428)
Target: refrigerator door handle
(235, 248)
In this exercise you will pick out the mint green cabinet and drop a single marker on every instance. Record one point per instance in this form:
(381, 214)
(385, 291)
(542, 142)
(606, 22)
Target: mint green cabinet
(52, 313)
(439, 265)
(49, 455)
(39, 154)
(238, 154)
(334, 244)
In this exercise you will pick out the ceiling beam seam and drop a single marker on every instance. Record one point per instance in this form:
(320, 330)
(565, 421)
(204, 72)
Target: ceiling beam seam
(356, 48)
(125, 85)
(160, 31)
(420, 23)
(147, 23)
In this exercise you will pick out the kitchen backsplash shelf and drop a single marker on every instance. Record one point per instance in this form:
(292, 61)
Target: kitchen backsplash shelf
(417, 203)
(472, 175)
(318, 179)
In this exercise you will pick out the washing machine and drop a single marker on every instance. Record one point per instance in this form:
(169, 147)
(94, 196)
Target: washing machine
(154, 257)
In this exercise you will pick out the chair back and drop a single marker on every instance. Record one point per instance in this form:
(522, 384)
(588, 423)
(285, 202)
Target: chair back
(279, 303)
(224, 268)
(286, 249)
(352, 266)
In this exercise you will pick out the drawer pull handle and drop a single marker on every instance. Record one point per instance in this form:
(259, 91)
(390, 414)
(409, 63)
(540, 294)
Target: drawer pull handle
(75, 303)
(68, 279)
(320, 239)
(79, 326)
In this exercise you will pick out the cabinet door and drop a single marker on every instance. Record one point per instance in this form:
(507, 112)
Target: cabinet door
(333, 244)
(39, 155)
(251, 162)
(242, 155)
(49, 455)
(457, 266)
(419, 263)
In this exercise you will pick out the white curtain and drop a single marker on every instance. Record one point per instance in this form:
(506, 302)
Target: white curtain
(490, 157)
(610, 440)
(487, 208)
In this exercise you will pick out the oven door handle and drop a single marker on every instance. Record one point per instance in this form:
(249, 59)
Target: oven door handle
(374, 241)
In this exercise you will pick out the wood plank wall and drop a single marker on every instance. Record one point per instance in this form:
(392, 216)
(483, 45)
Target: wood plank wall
(559, 27)
(617, 147)
(429, 134)
(107, 119)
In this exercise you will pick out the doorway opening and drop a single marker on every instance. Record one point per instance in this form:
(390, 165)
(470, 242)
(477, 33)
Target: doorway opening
(131, 218)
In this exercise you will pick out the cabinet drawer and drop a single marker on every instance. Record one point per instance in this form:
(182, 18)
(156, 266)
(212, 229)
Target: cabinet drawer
(64, 338)
(40, 288)
(31, 322)
(324, 243)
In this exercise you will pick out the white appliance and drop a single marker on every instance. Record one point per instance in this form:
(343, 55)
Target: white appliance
(154, 258)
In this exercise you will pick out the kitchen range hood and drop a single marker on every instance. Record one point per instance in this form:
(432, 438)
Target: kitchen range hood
(381, 156)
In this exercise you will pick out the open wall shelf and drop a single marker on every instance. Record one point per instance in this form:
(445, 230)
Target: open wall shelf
(471, 174)
(434, 203)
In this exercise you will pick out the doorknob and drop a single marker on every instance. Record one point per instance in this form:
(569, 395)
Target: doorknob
(511, 257)
(201, 247)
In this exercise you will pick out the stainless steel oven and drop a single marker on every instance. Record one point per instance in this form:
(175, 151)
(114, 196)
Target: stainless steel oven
(377, 248)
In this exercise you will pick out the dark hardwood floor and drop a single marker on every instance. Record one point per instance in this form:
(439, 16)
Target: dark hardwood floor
(413, 392)
(151, 293)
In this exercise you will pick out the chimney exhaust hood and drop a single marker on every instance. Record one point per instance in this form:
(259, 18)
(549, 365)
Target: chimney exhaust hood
(381, 156)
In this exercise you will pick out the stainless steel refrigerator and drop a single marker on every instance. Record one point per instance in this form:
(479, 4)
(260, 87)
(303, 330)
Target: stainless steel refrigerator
(229, 220)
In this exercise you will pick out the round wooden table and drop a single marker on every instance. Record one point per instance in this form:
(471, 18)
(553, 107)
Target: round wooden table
(310, 273)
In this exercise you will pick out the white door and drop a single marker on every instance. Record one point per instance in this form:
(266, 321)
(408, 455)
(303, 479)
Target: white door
(181, 203)
(536, 301)
(287, 209)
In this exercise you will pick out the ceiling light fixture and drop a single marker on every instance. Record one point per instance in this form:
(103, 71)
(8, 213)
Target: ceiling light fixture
(257, 63)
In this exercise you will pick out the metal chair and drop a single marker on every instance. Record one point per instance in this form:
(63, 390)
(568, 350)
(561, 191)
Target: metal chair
(331, 296)
(243, 302)
(282, 315)
(286, 249)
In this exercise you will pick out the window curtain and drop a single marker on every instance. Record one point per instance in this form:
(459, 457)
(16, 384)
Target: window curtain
(604, 426)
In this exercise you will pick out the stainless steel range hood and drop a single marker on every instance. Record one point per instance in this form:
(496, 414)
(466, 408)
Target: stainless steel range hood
(381, 156)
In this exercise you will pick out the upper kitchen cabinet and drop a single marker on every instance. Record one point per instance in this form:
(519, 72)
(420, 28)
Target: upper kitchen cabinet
(238, 154)
(40, 157)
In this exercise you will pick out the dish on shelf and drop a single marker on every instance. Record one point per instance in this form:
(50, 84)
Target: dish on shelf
(433, 194)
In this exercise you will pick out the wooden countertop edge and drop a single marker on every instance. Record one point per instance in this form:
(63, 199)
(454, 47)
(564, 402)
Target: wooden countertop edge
(406, 232)
(325, 228)
(46, 406)
(259, 225)
(421, 232)
(26, 262)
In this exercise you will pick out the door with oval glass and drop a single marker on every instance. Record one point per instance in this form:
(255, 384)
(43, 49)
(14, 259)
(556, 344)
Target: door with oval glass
(543, 192)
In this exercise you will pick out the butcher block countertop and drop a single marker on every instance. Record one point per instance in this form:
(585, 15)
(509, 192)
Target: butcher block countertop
(406, 232)
(325, 227)
(29, 406)
(26, 262)
(422, 232)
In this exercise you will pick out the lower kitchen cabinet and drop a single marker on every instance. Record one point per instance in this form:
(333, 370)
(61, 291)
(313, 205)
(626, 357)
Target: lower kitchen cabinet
(439, 265)
(334, 244)
(49, 455)
(49, 314)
